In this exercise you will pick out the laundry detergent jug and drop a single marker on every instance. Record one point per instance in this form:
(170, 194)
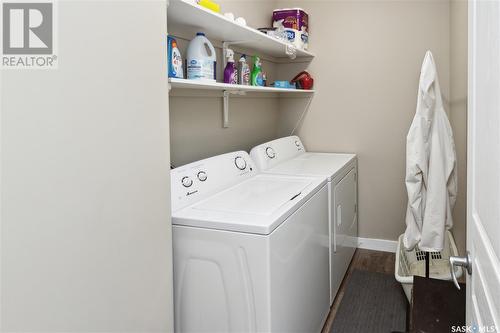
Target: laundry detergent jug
(201, 59)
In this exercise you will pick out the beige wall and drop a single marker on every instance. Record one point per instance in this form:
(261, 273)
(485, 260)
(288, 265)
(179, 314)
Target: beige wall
(458, 110)
(196, 118)
(196, 126)
(366, 69)
(368, 62)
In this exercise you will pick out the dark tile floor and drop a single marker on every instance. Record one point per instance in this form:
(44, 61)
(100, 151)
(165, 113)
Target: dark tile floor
(374, 261)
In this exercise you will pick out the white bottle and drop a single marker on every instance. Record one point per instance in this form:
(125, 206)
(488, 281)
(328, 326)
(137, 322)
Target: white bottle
(201, 59)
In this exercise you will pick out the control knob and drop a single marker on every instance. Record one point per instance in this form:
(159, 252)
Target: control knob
(240, 163)
(202, 176)
(270, 152)
(186, 181)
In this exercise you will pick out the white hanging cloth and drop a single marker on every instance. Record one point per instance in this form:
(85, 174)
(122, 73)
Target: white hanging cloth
(431, 173)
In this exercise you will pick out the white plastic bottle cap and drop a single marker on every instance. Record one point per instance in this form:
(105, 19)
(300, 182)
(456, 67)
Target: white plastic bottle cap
(229, 16)
(241, 20)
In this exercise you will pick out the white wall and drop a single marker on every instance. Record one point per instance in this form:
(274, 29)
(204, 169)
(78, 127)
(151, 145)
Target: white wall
(85, 229)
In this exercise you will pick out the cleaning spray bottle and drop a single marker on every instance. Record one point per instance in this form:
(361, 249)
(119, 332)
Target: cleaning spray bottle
(230, 72)
(257, 79)
(243, 71)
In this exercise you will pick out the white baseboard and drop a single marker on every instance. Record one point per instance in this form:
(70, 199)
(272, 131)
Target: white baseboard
(377, 244)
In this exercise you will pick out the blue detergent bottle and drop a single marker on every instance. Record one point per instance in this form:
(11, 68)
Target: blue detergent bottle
(175, 69)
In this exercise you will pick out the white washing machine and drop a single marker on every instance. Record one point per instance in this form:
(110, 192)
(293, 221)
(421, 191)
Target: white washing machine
(250, 249)
(288, 156)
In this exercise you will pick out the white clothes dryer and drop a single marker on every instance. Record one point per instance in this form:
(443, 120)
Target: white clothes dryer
(287, 156)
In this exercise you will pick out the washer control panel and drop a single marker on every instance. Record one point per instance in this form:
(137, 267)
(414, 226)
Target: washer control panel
(195, 181)
(269, 154)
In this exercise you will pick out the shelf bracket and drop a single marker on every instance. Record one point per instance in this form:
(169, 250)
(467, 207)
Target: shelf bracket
(291, 51)
(225, 102)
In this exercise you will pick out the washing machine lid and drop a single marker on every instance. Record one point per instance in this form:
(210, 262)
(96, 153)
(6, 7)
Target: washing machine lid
(314, 164)
(257, 205)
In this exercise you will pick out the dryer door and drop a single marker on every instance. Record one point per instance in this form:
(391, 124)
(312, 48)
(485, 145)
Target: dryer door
(346, 227)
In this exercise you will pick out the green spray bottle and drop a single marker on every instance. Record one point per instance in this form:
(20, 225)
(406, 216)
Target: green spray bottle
(257, 79)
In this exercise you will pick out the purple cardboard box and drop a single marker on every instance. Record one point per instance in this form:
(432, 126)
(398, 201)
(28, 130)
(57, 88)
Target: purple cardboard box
(293, 18)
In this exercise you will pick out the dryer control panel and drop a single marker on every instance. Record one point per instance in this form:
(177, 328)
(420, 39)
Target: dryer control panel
(271, 153)
(195, 181)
